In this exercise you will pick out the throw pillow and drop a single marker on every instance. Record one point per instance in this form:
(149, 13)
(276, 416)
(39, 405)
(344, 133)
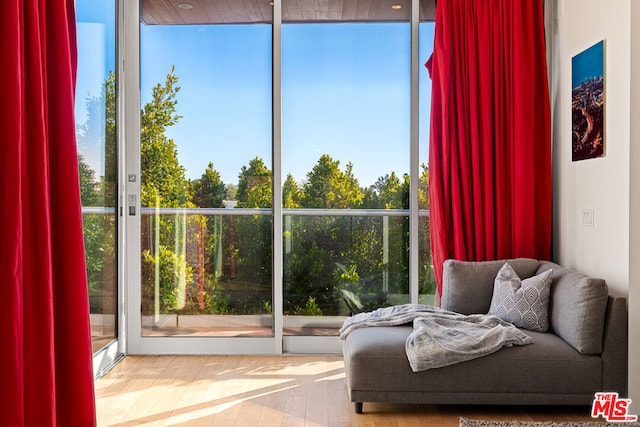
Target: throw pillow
(525, 303)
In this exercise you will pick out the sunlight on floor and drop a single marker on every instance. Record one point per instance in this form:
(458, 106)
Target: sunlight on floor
(219, 390)
(270, 391)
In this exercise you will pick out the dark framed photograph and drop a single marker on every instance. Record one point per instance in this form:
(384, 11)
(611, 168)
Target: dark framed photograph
(587, 103)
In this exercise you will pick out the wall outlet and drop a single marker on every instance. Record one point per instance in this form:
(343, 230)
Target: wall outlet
(588, 218)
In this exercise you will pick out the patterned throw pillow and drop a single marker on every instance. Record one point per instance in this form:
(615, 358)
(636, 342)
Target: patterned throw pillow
(525, 303)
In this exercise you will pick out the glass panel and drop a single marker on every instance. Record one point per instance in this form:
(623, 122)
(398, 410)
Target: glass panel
(206, 139)
(96, 138)
(204, 273)
(346, 144)
(346, 105)
(426, 277)
(337, 265)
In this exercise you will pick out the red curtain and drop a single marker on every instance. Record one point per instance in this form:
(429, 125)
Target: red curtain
(490, 149)
(46, 375)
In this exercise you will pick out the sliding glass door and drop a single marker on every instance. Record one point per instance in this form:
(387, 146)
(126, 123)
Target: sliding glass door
(98, 161)
(206, 181)
(274, 183)
(345, 146)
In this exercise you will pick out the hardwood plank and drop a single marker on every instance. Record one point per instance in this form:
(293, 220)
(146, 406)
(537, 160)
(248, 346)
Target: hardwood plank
(271, 391)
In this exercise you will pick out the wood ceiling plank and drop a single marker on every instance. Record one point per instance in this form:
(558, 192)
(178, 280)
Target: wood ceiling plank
(201, 13)
(349, 8)
(382, 11)
(159, 12)
(362, 10)
(322, 10)
(375, 11)
(266, 9)
(211, 12)
(232, 14)
(307, 11)
(167, 12)
(396, 15)
(427, 10)
(291, 11)
(335, 10)
(255, 13)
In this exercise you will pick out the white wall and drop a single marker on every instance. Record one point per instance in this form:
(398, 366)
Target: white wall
(634, 226)
(600, 184)
(609, 185)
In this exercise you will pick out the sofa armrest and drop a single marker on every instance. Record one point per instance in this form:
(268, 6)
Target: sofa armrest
(615, 347)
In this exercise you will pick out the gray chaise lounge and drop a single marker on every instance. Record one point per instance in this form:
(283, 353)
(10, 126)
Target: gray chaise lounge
(584, 351)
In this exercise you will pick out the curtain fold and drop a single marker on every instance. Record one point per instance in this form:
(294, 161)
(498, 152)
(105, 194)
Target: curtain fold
(46, 359)
(490, 188)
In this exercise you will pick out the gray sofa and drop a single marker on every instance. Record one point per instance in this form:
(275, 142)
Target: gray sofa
(584, 351)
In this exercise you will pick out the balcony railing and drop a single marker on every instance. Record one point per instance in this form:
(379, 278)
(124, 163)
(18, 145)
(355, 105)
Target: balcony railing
(218, 261)
(268, 211)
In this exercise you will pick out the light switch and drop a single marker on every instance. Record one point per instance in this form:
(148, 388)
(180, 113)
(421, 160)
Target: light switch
(587, 218)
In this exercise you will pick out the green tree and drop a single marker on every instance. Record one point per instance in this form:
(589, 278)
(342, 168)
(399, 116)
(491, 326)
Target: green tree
(232, 191)
(388, 192)
(320, 246)
(291, 193)
(423, 187)
(254, 185)
(171, 241)
(248, 238)
(99, 130)
(328, 187)
(209, 191)
(110, 179)
(99, 240)
(89, 187)
(91, 133)
(163, 181)
(426, 275)
(175, 279)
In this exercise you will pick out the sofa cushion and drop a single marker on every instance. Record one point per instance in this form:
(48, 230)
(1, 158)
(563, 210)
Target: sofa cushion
(577, 308)
(525, 303)
(468, 286)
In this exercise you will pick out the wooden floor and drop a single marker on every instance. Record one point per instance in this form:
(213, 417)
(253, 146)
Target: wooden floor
(269, 391)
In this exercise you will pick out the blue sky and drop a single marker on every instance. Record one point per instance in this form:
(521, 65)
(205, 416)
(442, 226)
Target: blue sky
(345, 92)
(587, 64)
(96, 57)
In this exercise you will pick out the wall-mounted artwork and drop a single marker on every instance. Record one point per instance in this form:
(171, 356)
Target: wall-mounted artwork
(587, 103)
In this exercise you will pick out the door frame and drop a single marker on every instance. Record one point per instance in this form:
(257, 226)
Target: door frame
(131, 340)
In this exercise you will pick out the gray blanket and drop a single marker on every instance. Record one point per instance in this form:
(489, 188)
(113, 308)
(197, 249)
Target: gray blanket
(441, 337)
